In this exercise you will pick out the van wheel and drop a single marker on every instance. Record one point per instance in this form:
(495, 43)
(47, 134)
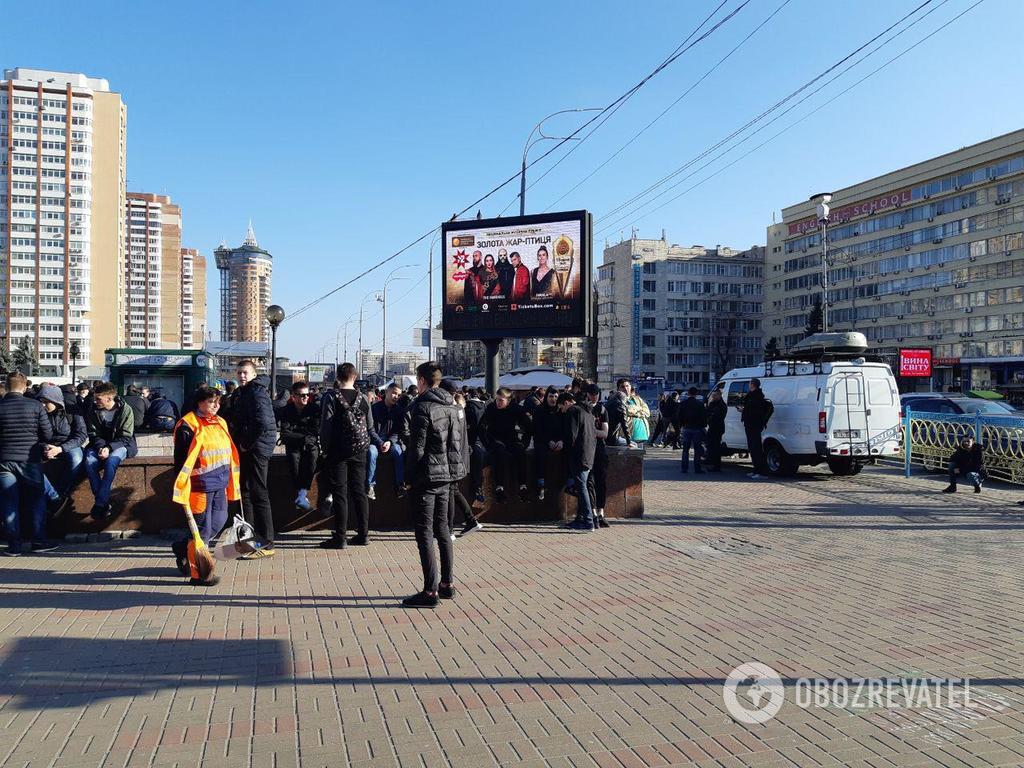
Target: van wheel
(778, 461)
(844, 467)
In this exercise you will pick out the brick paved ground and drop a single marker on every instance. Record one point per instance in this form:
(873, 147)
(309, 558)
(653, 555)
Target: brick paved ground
(563, 649)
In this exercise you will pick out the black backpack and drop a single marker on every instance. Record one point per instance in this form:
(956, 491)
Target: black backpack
(769, 409)
(350, 436)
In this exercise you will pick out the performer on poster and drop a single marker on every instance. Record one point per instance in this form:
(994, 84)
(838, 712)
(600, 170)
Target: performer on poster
(471, 283)
(542, 275)
(521, 281)
(488, 285)
(506, 274)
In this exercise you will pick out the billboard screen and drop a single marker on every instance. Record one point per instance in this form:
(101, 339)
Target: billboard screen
(319, 373)
(521, 276)
(915, 362)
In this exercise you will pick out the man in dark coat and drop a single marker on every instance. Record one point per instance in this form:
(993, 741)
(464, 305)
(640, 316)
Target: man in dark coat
(547, 436)
(162, 414)
(110, 424)
(475, 407)
(138, 404)
(433, 461)
(389, 423)
(63, 455)
(24, 428)
(254, 431)
(690, 419)
(717, 411)
(580, 445)
(755, 415)
(300, 435)
(597, 480)
(967, 460)
(506, 430)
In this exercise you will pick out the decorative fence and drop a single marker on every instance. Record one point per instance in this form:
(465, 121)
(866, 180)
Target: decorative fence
(934, 437)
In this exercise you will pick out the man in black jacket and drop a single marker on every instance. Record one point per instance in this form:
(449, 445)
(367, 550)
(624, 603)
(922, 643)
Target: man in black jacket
(547, 436)
(388, 422)
(161, 414)
(300, 435)
(24, 428)
(138, 403)
(505, 429)
(717, 411)
(433, 461)
(346, 432)
(110, 424)
(63, 454)
(967, 460)
(580, 444)
(691, 417)
(254, 431)
(475, 407)
(755, 415)
(597, 480)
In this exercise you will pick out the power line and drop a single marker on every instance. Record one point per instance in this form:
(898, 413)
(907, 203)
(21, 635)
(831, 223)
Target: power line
(766, 112)
(679, 51)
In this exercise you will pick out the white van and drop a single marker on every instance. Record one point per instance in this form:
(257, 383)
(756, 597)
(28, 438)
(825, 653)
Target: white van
(842, 412)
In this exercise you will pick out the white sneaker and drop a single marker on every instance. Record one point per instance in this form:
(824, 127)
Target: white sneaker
(371, 493)
(754, 476)
(540, 493)
(453, 537)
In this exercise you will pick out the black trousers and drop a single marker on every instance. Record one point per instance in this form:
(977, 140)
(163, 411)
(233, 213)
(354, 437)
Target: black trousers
(714, 454)
(302, 463)
(431, 522)
(255, 493)
(477, 459)
(348, 489)
(456, 503)
(756, 448)
(597, 480)
(540, 461)
(511, 455)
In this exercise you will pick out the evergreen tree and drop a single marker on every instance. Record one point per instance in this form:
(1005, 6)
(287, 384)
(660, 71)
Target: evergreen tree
(24, 356)
(815, 319)
(771, 349)
(6, 361)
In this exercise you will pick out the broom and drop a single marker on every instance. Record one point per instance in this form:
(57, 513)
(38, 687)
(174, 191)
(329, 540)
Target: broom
(200, 560)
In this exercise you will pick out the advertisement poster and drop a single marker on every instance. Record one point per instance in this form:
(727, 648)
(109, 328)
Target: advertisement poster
(319, 373)
(915, 362)
(522, 276)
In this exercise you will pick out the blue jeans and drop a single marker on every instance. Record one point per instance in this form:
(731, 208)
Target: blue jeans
(395, 451)
(17, 478)
(67, 467)
(584, 511)
(692, 438)
(93, 465)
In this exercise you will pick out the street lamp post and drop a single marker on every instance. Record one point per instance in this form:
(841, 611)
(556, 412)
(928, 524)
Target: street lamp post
(338, 359)
(74, 351)
(430, 297)
(384, 326)
(530, 141)
(275, 316)
(822, 211)
(359, 352)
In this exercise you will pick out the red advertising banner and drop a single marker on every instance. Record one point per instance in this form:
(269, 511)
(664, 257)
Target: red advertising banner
(915, 362)
(847, 212)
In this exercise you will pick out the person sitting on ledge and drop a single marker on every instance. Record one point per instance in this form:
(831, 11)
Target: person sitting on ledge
(969, 461)
(110, 424)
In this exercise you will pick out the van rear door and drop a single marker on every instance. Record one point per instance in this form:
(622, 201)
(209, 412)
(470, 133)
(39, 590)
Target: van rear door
(884, 412)
(847, 424)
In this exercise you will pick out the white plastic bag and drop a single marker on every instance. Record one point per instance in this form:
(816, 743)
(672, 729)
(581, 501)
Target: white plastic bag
(238, 539)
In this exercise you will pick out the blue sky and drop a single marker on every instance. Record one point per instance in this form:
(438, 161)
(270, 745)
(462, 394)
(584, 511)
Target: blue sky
(345, 131)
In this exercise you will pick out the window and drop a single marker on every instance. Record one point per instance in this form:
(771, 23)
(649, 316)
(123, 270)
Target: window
(650, 286)
(647, 341)
(846, 390)
(650, 305)
(648, 359)
(737, 391)
(879, 392)
(647, 323)
(649, 267)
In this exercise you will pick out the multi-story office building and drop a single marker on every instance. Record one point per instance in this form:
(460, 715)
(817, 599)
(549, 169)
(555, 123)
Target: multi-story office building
(62, 215)
(685, 314)
(929, 256)
(153, 272)
(193, 298)
(245, 274)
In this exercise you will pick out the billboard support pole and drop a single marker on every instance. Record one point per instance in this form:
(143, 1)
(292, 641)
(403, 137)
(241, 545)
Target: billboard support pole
(491, 347)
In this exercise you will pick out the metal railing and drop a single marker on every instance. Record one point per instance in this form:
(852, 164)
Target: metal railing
(934, 437)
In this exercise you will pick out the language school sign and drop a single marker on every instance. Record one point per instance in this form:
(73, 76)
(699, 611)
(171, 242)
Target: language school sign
(865, 208)
(916, 362)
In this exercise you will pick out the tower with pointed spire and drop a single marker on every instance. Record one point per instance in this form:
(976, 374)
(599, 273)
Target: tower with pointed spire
(245, 276)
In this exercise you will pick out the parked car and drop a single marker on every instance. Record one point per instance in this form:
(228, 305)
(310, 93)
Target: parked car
(937, 402)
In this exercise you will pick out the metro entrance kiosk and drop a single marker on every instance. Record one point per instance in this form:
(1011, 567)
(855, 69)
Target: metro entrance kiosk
(173, 372)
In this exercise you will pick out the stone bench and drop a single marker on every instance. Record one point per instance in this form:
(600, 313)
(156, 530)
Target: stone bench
(141, 498)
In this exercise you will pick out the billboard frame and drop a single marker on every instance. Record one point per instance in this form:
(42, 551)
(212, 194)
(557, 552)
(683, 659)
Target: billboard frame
(586, 223)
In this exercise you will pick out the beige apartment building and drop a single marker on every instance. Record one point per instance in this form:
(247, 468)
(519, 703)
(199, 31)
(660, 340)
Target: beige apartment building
(153, 272)
(929, 256)
(62, 215)
(193, 298)
(685, 314)
(245, 279)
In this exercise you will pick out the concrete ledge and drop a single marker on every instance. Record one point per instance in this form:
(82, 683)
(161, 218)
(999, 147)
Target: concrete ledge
(142, 498)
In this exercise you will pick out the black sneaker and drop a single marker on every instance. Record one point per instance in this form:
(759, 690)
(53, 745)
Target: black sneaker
(949, 489)
(44, 546)
(471, 526)
(58, 505)
(977, 488)
(334, 542)
(602, 523)
(182, 562)
(524, 494)
(499, 492)
(99, 513)
(359, 541)
(420, 600)
(446, 593)
(13, 550)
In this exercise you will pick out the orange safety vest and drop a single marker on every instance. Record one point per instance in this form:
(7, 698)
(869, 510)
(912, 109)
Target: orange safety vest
(211, 449)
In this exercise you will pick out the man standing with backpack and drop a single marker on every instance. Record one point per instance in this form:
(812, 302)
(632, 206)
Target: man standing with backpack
(345, 436)
(756, 410)
(433, 461)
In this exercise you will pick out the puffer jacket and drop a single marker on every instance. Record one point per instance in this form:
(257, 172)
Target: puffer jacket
(253, 427)
(435, 453)
(68, 428)
(23, 426)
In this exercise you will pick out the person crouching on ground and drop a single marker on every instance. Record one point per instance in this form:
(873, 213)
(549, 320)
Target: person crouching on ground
(110, 424)
(967, 460)
(433, 461)
(208, 471)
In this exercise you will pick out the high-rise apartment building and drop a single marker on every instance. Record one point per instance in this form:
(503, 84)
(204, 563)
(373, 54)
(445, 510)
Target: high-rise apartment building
(685, 314)
(153, 272)
(245, 275)
(193, 298)
(62, 215)
(929, 256)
